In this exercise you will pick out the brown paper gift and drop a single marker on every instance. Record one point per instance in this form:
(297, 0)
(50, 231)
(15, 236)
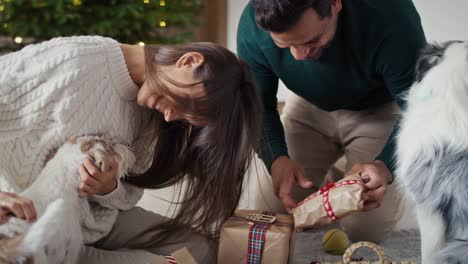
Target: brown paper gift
(234, 238)
(330, 203)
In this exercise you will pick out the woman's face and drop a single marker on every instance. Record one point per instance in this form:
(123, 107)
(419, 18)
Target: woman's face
(181, 72)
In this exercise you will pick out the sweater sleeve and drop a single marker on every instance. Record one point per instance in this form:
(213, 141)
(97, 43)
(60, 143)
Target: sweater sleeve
(124, 197)
(273, 143)
(44, 86)
(7, 186)
(395, 62)
(15, 86)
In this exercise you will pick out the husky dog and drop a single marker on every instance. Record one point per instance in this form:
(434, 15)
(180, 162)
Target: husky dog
(56, 237)
(432, 151)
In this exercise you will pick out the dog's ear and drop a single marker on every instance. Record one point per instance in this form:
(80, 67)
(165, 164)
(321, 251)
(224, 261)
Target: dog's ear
(86, 145)
(126, 158)
(430, 57)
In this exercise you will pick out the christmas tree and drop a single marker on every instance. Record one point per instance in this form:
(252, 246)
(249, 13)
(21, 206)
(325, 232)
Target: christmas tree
(128, 21)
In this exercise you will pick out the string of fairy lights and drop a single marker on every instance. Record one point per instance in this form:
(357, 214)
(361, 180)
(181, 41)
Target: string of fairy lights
(19, 40)
(162, 23)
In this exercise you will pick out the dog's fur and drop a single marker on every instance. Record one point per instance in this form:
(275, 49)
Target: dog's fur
(432, 151)
(56, 237)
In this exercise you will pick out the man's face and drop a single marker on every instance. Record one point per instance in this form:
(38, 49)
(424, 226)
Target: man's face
(311, 35)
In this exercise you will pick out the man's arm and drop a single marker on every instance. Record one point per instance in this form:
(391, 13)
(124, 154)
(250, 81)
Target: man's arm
(273, 151)
(124, 197)
(396, 61)
(273, 143)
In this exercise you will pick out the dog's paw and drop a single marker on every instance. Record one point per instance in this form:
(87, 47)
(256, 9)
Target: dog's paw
(103, 162)
(99, 150)
(103, 153)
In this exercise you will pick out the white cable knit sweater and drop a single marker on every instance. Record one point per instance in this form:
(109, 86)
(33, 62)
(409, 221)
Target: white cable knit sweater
(62, 88)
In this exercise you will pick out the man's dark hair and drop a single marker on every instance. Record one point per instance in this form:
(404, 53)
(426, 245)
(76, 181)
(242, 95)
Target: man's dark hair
(281, 15)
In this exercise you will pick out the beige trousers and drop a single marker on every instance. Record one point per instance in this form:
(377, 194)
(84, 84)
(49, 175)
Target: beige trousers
(130, 242)
(328, 144)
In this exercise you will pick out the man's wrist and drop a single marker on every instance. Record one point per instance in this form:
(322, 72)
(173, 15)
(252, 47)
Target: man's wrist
(388, 174)
(278, 158)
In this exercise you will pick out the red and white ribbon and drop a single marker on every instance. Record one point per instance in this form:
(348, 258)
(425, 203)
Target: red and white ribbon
(171, 260)
(324, 191)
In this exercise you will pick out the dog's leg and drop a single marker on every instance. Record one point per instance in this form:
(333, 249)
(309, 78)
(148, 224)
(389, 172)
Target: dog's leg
(432, 228)
(56, 237)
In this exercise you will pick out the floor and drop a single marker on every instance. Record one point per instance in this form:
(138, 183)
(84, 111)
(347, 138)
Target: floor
(404, 243)
(401, 245)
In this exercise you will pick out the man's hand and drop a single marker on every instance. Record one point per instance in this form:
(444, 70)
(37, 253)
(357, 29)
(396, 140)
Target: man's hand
(93, 181)
(13, 204)
(376, 177)
(285, 174)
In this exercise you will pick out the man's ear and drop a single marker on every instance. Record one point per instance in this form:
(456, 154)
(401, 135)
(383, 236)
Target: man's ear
(336, 6)
(191, 59)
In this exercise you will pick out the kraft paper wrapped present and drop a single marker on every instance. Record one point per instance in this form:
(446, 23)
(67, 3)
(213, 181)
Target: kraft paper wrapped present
(254, 236)
(330, 203)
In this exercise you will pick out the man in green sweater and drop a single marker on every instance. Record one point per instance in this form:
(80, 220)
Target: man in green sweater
(348, 63)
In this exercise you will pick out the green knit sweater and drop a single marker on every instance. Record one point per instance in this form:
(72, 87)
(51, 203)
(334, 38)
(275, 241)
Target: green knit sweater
(369, 63)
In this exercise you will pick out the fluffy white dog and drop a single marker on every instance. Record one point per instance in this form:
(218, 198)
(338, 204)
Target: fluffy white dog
(432, 152)
(57, 237)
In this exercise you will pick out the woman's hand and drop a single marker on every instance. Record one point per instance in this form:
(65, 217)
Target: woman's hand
(13, 204)
(94, 181)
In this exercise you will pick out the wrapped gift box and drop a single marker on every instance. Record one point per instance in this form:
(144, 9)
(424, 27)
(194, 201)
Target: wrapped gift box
(254, 236)
(330, 203)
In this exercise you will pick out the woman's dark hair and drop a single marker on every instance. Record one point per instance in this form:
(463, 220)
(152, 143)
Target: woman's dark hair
(281, 15)
(213, 158)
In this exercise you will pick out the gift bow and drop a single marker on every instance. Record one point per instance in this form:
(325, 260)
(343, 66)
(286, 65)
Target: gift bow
(324, 191)
(257, 232)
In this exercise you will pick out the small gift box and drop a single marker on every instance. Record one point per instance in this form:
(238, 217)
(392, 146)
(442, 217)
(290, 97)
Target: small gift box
(330, 203)
(254, 237)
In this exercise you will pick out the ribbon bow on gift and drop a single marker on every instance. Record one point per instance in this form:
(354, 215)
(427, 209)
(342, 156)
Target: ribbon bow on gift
(324, 191)
(330, 203)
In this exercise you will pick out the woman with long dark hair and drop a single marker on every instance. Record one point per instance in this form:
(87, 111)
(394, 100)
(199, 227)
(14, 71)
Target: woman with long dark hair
(190, 112)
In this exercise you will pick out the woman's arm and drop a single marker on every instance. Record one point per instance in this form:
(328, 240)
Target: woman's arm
(124, 197)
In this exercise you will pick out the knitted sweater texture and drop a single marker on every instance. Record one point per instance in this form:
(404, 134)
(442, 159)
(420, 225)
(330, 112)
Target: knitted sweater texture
(68, 87)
